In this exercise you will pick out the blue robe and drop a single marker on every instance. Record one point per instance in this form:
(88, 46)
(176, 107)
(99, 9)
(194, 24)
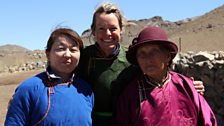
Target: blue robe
(38, 101)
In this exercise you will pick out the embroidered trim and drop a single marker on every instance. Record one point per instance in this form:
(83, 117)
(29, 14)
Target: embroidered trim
(48, 107)
(50, 91)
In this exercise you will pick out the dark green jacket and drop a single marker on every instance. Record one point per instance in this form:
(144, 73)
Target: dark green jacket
(107, 76)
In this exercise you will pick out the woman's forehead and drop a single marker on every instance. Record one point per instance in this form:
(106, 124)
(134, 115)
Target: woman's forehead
(147, 47)
(64, 40)
(106, 19)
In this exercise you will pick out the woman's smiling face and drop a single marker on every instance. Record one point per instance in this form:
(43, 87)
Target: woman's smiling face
(107, 32)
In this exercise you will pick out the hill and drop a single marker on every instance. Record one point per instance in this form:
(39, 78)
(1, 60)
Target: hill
(205, 33)
(8, 48)
(17, 58)
(202, 33)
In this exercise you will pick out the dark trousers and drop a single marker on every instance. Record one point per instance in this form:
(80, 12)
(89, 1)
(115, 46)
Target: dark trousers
(101, 120)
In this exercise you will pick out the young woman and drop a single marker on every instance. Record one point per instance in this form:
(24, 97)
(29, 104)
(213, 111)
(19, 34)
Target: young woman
(159, 96)
(104, 64)
(57, 96)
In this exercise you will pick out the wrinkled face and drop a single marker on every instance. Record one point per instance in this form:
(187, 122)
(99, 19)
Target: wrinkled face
(152, 60)
(107, 31)
(64, 56)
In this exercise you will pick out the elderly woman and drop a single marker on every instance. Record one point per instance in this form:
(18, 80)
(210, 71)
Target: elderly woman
(57, 96)
(159, 96)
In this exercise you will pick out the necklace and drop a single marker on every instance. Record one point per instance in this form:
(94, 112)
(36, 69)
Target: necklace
(154, 83)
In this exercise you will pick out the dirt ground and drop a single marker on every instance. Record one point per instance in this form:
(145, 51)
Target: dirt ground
(8, 84)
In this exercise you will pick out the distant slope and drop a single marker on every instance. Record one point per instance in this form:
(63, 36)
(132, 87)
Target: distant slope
(12, 48)
(14, 55)
(132, 28)
(202, 33)
(205, 33)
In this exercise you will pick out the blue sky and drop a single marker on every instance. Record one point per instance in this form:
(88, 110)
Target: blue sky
(28, 23)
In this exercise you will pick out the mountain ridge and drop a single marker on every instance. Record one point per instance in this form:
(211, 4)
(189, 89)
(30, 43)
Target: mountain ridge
(201, 33)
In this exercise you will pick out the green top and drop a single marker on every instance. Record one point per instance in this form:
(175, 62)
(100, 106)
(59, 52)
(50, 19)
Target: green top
(107, 76)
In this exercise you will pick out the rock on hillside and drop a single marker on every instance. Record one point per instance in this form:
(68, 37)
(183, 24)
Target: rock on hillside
(201, 33)
(16, 58)
(133, 27)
